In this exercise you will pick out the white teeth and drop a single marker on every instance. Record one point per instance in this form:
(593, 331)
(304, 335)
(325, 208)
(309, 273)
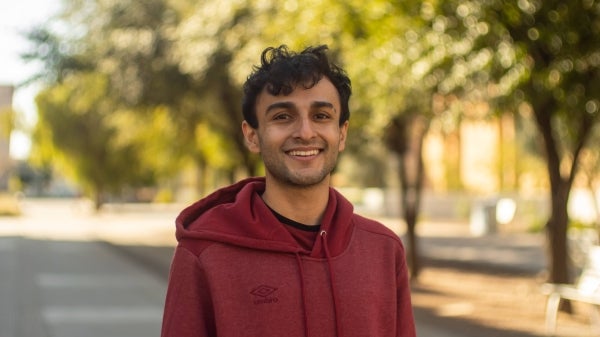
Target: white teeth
(304, 153)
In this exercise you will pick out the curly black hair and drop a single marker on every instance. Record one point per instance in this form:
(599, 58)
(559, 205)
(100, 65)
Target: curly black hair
(281, 70)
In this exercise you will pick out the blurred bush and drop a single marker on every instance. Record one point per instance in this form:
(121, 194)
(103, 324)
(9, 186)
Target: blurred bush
(9, 205)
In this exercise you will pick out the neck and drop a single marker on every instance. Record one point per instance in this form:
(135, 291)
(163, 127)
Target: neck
(305, 205)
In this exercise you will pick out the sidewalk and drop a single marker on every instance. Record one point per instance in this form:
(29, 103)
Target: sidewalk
(470, 287)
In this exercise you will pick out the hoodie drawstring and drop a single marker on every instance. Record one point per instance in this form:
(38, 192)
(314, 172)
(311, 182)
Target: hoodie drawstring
(338, 326)
(336, 309)
(303, 291)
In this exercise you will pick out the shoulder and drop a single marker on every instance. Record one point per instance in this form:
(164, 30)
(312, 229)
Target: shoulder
(194, 247)
(375, 228)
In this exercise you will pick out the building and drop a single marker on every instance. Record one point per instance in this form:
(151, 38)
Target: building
(6, 95)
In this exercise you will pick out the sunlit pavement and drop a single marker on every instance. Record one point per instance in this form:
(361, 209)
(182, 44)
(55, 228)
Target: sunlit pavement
(60, 278)
(67, 271)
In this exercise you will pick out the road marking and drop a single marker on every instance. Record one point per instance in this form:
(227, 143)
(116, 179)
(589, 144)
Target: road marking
(104, 314)
(48, 280)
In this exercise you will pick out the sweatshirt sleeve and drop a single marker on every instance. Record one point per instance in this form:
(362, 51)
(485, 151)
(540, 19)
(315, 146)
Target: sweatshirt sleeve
(188, 306)
(405, 322)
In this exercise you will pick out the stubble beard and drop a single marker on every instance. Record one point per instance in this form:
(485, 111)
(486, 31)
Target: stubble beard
(279, 171)
(302, 181)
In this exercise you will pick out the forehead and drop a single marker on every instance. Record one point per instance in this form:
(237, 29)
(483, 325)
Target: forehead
(322, 91)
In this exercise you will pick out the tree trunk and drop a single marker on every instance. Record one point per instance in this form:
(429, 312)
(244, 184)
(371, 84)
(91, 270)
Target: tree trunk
(202, 179)
(405, 136)
(410, 201)
(560, 187)
(98, 199)
(556, 229)
(412, 187)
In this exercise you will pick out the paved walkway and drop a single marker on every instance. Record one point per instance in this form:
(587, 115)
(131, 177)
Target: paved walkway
(58, 280)
(74, 289)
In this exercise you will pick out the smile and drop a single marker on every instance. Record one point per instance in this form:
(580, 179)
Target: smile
(299, 153)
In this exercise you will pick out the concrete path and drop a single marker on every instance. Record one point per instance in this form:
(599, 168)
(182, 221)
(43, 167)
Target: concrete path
(74, 289)
(58, 278)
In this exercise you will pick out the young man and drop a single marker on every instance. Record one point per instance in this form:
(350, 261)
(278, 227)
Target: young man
(285, 255)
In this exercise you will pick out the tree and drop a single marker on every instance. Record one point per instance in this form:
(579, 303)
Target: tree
(144, 47)
(397, 94)
(560, 46)
(404, 136)
(540, 56)
(75, 130)
(128, 44)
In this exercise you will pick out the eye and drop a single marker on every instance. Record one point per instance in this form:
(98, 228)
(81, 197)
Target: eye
(282, 116)
(322, 115)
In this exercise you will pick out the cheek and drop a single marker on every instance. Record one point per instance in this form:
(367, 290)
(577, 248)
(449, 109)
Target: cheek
(273, 136)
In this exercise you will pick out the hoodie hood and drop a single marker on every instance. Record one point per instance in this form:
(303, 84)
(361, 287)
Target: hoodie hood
(237, 215)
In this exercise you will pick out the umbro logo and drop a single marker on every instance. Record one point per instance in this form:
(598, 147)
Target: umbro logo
(264, 294)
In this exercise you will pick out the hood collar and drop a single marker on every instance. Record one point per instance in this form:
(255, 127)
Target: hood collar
(237, 215)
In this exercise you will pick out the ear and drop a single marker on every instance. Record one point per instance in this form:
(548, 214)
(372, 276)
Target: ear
(250, 137)
(343, 134)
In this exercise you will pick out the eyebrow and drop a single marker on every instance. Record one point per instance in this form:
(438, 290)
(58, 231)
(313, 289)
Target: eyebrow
(322, 104)
(279, 105)
(290, 105)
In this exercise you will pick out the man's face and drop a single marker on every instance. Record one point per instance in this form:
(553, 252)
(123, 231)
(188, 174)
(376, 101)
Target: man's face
(298, 136)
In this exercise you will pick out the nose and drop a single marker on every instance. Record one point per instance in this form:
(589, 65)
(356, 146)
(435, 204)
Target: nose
(305, 128)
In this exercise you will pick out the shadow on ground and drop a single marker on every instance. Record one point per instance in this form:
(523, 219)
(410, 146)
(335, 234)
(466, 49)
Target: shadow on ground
(156, 259)
(463, 327)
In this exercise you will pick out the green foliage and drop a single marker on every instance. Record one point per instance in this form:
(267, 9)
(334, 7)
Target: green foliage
(133, 104)
(7, 122)
(214, 148)
(581, 225)
(560, 46)
(151, 133)
(75, 130)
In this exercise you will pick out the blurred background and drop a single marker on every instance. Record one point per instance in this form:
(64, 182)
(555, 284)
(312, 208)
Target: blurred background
(474, 134)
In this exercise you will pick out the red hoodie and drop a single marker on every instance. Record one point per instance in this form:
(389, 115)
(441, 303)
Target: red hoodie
(237, 271)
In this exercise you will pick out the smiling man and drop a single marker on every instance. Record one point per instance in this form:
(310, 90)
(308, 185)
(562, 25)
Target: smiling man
(285, 255)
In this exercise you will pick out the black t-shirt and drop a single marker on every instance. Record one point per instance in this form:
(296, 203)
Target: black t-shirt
(305, 235)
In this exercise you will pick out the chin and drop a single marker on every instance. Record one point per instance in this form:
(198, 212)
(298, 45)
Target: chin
(309, 181)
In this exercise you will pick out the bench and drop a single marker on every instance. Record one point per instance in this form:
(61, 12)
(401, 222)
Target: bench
(586, 290)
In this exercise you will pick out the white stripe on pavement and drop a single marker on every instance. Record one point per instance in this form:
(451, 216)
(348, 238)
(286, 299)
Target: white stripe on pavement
(66, 280)
(87, 314)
